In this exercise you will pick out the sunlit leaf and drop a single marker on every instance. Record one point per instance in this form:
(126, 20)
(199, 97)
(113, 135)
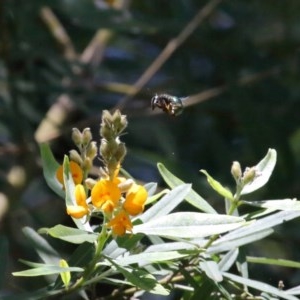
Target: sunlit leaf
(259, 286)
(189, 225)
(284, 204)
(166, 204)
(217, 186)
(71, 235)
(211, 270)
(152, 257)
(264, 170)
(193, 198)
(65, 275)
(46, 270)
(224, 244)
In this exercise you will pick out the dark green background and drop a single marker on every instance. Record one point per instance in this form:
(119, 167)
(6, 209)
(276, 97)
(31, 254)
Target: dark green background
(238, 39)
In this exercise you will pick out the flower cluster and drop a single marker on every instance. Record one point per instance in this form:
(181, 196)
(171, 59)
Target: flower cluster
(116, 197)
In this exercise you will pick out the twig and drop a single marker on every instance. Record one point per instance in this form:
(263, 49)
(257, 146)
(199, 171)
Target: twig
(170, 48)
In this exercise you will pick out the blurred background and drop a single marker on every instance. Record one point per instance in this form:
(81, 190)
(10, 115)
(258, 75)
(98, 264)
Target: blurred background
(63, 61)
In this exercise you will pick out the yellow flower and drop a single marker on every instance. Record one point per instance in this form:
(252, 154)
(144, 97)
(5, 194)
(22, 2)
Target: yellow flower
(105, 194)
(120, 223)
(135, 199)
(81, 209)
(75, 170)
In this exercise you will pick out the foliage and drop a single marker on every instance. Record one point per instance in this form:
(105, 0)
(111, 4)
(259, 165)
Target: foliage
(164, 250)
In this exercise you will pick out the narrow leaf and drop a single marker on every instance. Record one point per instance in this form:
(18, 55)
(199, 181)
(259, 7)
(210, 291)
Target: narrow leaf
(66, 275)
(71, 235)
(192, 197)
(50, 165)
(151, 257)
(166, 204)
(217, 186)
(142, 279)
(272, 261)
(264, 170)
(46, 270)
(284, 204)
(222, 245)
(211, 270)
(189, 225)
(259, 286)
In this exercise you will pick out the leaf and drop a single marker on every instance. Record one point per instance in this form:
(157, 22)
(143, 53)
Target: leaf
(166, 204)
(224, 244)
(259, 286)
(151, 188)
(46, 270)
(66, 275)
(217, 186)
(171, 247)
(71, 235)
(294, 291)
(264, 224)
(284, 204)
(189, 225)
(228, 259)
(264, 170)
(141, 279)
(192, 197)
(211, 270)
(272, 261)
(151, 257)
(50, 165)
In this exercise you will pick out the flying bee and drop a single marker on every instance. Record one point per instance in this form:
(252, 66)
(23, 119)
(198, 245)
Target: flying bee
(169, 104)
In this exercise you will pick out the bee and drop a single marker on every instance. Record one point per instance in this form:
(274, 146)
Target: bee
(169, 104)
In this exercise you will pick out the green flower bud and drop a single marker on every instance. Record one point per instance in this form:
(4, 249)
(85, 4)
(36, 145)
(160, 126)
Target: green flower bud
(76, 136)
(236, 170)
(106, 132)
(89, 182)
(121, 152)
(86, 136)
(91, 150)
(75, 156)
(249, 175)
(87, 163)
(125, 185)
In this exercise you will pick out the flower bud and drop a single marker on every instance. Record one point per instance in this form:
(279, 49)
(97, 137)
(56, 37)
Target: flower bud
(89, 182)
(91, 150)
(249, 175)
(236, 170)
(124, 186)
(121, 152)
(106, 132)
(87, 163)
(86, 136)
(76, 136)
(75, 156)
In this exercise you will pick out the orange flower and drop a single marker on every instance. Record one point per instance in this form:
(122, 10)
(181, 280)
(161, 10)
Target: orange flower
(105, 194)
(120, 223)
(81, 209)
(75, 170)
(135, 199)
